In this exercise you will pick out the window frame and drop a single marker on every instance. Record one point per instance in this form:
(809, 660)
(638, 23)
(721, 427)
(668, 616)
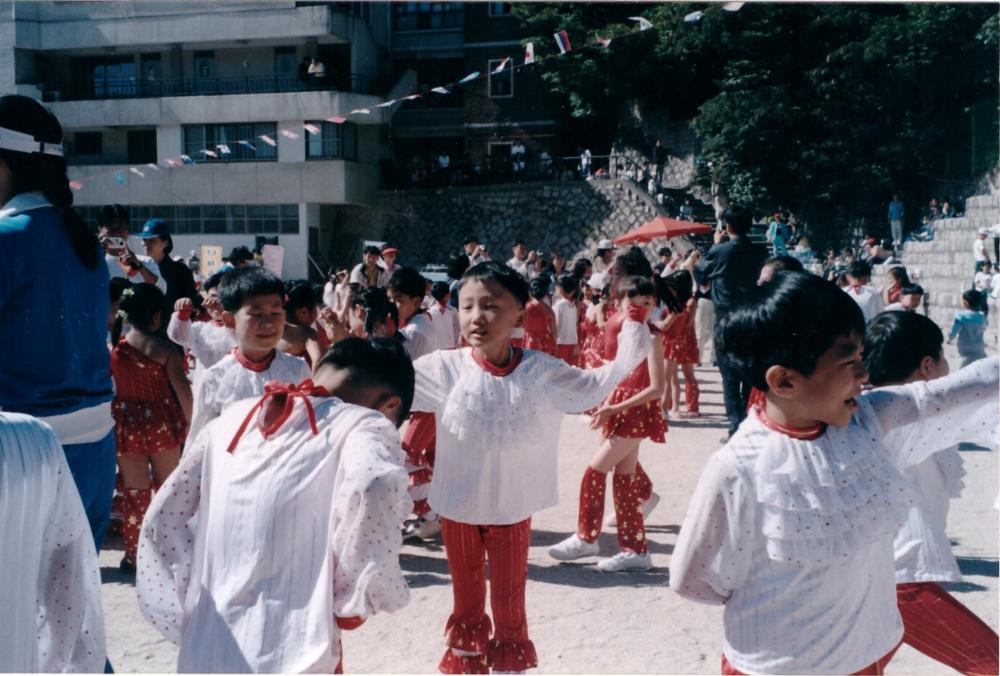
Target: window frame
(508, 71)
(346, 140)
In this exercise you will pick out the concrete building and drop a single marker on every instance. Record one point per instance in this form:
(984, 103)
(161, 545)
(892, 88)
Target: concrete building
(138, 83)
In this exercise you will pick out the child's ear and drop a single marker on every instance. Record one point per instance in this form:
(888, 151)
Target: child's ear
(927, 369)
(389, 405)
(520, 319)
(781, 381)
(229, 319)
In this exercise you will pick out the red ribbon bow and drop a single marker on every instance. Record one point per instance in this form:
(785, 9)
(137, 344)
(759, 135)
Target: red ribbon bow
(278, 394)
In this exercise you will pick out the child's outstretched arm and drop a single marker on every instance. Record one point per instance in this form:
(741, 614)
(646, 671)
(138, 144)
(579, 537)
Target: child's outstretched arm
(925, 417)
(711, 560)
(432, 383)
(167, 540)
(573, 389)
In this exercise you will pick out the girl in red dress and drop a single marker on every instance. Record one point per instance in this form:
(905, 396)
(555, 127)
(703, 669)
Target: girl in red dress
(539, 320)
(595, 317)
(680, 346)
(151, 408)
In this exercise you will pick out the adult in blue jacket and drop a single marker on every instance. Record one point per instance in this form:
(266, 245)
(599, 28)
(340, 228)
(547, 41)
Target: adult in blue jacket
(54, 305)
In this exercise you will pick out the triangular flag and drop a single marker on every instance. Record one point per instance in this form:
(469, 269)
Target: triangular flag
(136, 171)
(411, 97)
(440, 90)
(360, 111)
(386, 104)
(644, 23)
(210, 153)
(503, 64)
(562, 40)
(153, 166)
(120, 176)
(336, 119)
(248, 145)
(289, 134)
(529, 53)
(693, 16)
(733, 6)
(268, 140)
(604, 42)
(224, 149)
(76, 185)
(470, 77)
(311, 128)
(171, 162)
(187, 159)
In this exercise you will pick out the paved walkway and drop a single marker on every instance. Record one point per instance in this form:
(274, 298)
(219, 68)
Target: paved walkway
(582, 620)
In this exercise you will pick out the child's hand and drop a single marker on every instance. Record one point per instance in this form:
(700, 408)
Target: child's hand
(184, 305)
(601, 416)
(328, 316)
(212, 305)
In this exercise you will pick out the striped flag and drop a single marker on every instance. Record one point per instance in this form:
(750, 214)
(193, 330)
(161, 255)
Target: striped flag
(311, 128)
(562, 40)
(336, 119)
(224, 149)
(268, 140)
(503, 64)
(529, 53)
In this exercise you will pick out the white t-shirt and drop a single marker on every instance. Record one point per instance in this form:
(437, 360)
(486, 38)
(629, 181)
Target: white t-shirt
(868, 299)
(115, 269)
(566, 321)
(984, 281)
(979, 250)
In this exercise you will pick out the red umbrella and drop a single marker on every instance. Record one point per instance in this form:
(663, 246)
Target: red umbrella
(662, 227)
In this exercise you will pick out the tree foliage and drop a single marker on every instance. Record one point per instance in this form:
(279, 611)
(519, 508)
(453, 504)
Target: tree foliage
(824, 109)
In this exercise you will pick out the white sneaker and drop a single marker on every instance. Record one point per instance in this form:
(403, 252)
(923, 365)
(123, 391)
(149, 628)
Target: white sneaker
(624, 561)
(646, 508)
(422, 529)
(573, 548)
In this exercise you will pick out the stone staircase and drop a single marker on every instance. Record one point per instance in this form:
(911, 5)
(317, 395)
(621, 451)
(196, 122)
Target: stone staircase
(945, 266)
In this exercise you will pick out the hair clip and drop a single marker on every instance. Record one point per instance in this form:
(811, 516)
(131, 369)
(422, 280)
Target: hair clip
(127, 293)
(121, 314)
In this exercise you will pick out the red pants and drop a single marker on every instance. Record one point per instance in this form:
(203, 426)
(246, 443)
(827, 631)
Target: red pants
(936, 624)
(418, 444)
(871, 670)
(468, 547)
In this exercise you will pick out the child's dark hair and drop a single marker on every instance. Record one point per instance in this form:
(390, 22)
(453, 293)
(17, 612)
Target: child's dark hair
(241, 284)
(138, 305)
(636, 285)
(457, 266)
(633, 263)
(569, 284)
(675, 290)
(440, 291)
(898, 273)
(379, 362)
(580, 267)
(115, 288)
(214, 280)
(790, 321)
(408, 282)
(112, 212)
(896, 343)
(860, 270)
(43, 172)
(785, 263)
(739, 219)
(371, 249)
(508, 278)
(976, 301)
(377, 307)
(911, 289)
(539, 287)
(300, 294)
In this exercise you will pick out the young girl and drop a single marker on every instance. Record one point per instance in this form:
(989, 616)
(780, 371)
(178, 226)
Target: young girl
(299, 338)
(596, 316)
(151, 408)
(680, 346)
(629, 415)
(539, 320)
(498, 411)
(897, 278)
(792, 522)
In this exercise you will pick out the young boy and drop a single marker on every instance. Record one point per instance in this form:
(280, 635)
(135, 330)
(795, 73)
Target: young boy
(253, 306)
(444, 316)
(280, 527)
(904, 347)
(910, 298)
(498, 410)
(207, 341)
(969, 326)
(859, 273)
(567, 319)
(792, 522)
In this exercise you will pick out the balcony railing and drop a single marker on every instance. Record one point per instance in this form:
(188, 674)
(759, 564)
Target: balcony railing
(216, 86)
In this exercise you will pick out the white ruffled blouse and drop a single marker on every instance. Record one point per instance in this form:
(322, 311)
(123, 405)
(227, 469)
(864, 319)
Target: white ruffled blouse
(497, 435)
(795, 536)
(207, 341)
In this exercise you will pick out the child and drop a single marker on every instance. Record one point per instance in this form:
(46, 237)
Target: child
(904, 347)
(51, 594)
(539, 320)
(280, 528)
(897, 280)
(680, 346)
(151, 408)
(299, 338)
(969, 326)
(498, 411)
(595, 318)
(629, 415)
(911, 297)
(858, 275)
(792, 521)
(372, 314)
(566, 310)
(406, 289)
(208, 342)
(253, 306)
(444, 316)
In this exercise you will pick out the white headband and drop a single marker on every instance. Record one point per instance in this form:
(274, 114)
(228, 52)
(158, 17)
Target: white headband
(20, 142)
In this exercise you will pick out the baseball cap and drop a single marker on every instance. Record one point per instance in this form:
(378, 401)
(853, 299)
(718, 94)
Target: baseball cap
(154, 227)
(605, 245)
(984, 231)
(598, 281)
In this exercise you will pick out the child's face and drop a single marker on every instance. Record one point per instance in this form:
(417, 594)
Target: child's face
(911, 301)
(648, 302)
(487, 314)
(306, 316)
(830, 393)
(406, 305)
(258, 324)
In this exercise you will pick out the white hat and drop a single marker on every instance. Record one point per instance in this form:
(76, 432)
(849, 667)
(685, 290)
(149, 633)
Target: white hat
(984, 231)
(605, 245)
(598, 281)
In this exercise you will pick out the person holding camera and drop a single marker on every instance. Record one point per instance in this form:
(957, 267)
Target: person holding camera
(113, 231)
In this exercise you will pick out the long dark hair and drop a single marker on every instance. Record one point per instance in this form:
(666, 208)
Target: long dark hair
(45, 173)
(138, 305)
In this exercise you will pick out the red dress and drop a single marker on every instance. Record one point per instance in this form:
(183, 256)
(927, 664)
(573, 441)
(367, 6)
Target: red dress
(592, 339)
(639, 422)
(539, 328)
(148, 418)
(679, 342)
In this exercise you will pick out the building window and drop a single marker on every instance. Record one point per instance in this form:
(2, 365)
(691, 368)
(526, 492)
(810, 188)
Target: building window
(334, 141)
(215, 219)
(412, 16)
(502, 83)
(88, 143)
(113, 77)
(201, 139)
(141, 146)
(500, 9)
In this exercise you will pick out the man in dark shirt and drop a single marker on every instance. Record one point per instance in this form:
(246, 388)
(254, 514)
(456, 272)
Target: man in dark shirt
(660, 159)
(732, 268)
